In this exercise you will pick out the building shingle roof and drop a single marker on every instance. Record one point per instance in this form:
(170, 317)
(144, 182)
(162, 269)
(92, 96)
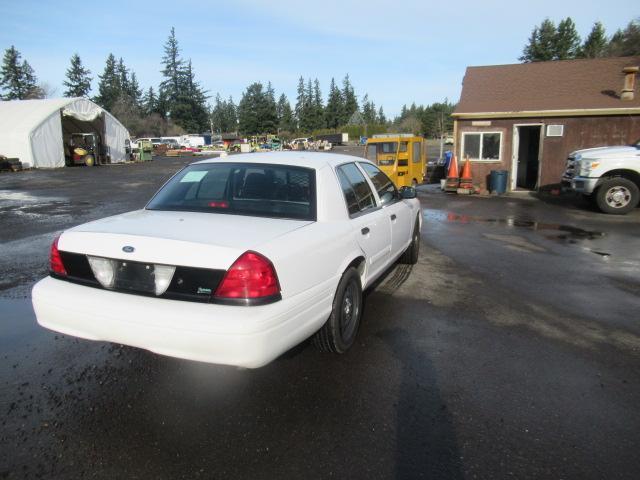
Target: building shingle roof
(542, 86)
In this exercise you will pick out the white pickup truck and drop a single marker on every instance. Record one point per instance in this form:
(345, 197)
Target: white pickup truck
(610, 176)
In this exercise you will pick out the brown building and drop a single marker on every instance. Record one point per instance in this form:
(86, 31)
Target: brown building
(527, 118)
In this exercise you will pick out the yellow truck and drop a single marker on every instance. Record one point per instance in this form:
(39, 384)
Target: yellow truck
(401, 156)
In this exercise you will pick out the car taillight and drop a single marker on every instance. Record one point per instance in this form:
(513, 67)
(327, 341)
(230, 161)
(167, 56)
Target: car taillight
(252, 276)
(55, 261)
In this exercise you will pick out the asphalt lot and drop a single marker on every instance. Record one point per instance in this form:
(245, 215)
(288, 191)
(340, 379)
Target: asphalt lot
(511, 350)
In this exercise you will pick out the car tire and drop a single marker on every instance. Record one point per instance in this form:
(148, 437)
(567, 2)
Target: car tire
(617, 196)
(410, 255)
(339, 331)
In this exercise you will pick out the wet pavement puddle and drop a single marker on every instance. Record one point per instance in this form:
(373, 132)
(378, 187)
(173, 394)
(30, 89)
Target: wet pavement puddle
(17, 323)
(566, 232)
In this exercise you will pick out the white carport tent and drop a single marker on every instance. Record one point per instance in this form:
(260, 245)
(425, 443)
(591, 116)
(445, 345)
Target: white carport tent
(32, 130)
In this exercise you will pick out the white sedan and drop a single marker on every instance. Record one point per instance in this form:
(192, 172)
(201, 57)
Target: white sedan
(235, 260)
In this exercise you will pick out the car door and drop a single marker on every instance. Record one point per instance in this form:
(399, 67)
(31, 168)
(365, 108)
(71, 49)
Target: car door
(400, 214)
(371, 225)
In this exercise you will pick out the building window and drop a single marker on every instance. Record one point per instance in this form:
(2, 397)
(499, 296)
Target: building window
(482, 146)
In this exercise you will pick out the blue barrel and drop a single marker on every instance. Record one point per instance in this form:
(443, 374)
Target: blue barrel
(498, 181)
(447, 160)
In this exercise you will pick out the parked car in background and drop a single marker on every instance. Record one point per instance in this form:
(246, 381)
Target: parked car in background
(155, 141)
(448, 140)
(235, 260)
(300, 143)
(170, 142)
(610, 176)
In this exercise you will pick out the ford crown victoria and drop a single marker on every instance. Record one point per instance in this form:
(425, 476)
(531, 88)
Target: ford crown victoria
(235, 260)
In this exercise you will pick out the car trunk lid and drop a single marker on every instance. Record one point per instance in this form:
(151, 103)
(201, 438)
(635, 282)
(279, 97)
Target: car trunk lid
(203, 240)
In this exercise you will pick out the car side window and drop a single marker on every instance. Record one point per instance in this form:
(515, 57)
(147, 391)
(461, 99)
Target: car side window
(387, 191)
(357, 193)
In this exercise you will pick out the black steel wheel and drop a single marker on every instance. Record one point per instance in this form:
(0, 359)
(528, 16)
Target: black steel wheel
(411, 254)
(341, 328)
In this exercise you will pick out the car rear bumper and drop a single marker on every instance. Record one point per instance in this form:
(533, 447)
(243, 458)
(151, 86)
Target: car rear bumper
(243, 336)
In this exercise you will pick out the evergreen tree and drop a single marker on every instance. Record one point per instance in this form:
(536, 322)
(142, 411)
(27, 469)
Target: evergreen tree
(217, 115)
(250, 109)
(567, 40)
(149, 102)
(11, 79)
(368, 110)
(231, 117)
(17, 80)
(173, 69)
(436, 119)
(223, 115)
(286, 122)
(625, 43)
(317, 107)
(382, 120)
(134, 92)
(404, 112)
(349, 99)
(78, 81)
(122, 73)
(269, 115)
(109, 85)
(595, 45)
(542, 43)
(183, 99)
(30, 82)
(190, 110)
(308, 121)
(300, 103)
(162, 104)
(333, 110)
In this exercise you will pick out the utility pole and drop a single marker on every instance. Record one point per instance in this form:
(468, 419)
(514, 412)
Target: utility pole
(441, 128)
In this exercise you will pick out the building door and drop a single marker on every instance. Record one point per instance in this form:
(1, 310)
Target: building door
(527, 152)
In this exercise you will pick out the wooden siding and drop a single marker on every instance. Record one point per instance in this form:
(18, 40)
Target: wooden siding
(579, 132)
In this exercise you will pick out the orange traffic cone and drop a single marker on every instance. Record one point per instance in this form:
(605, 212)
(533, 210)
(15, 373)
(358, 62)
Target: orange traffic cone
(452, 176)
(466, 180)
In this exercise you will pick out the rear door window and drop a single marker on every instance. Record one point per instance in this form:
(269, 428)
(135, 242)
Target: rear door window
(358, 195)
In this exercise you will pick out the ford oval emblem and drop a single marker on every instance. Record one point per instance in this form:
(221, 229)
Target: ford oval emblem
(128, 249)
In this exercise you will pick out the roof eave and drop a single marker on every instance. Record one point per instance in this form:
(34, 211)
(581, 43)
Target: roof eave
(583, 112)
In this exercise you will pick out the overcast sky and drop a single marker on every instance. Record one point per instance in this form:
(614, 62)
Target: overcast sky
(397, 52)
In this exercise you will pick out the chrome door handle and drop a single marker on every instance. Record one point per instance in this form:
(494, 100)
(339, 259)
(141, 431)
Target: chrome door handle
(365, 231)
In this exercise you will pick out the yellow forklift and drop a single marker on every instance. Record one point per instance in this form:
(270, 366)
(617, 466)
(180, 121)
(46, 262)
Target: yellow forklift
(401, 156)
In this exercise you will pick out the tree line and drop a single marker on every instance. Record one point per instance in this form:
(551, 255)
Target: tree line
(259, 112)
(562, 42)
(180, 104)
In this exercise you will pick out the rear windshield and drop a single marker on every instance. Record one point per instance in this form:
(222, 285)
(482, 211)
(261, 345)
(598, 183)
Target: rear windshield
(276, 191)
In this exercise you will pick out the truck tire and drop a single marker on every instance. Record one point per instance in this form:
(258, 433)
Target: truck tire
(339, 332)
(617, 196)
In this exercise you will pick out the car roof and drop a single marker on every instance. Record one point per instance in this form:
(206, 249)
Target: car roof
(315, 160)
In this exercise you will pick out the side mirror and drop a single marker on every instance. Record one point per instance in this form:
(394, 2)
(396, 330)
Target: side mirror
(407, 193)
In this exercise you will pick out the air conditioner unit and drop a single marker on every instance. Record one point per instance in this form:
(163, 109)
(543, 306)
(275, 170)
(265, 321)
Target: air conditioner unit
(555, 130)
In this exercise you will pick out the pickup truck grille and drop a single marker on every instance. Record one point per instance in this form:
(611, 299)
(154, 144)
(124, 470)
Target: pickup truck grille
(571, 169)
(188, 283)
